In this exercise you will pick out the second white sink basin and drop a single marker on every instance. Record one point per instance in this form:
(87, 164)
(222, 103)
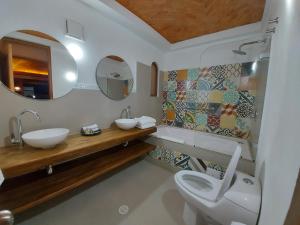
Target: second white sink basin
(126, 124)
(47, 138)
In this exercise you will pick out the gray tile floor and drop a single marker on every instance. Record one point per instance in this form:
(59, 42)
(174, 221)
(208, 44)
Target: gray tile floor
(147, 189)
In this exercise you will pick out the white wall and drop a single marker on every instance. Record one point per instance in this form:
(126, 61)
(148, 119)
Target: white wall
(215, 53)
(103, 37)
(278, 158)
(62, 63)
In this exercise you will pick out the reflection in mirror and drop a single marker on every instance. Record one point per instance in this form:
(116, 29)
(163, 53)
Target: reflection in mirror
(36, 65)
(114, 77)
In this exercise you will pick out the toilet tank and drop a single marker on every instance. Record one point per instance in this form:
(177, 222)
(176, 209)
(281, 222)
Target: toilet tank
(245, 192)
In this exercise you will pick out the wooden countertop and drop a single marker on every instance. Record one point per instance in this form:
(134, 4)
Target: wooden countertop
(16, 161)
(25, 192)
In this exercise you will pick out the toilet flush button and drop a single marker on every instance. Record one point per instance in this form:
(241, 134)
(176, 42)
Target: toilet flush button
(124, 209)
(248, 181)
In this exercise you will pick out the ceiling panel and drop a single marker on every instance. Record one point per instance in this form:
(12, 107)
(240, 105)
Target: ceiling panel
(179, 20)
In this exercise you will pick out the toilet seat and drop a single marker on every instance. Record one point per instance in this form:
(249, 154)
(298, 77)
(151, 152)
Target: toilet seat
(199, 184)
(205, 186)
(212, 201)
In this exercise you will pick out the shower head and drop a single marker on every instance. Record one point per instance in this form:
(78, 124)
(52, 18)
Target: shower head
(240, 52)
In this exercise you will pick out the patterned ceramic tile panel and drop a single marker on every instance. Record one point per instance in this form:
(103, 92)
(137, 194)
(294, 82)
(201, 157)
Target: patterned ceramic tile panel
(172, 158)
(218, 99)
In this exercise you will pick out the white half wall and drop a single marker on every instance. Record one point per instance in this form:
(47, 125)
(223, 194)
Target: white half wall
(278, 158)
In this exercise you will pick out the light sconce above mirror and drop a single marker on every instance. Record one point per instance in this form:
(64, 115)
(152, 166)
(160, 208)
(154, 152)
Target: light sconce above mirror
(35, 65)
(75, 50)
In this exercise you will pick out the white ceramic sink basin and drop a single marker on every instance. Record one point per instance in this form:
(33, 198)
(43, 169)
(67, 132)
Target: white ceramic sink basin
(126, 124)
(47, 138)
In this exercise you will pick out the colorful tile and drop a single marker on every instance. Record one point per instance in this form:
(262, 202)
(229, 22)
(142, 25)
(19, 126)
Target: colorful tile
(218, 71)
(182, 161)
(189, 120)
(181, 75)
(170, 115)
(245, 110)
(172, 75)
(191, 96)
(231, 97)
(156, 154)
(229, 110)
(193, 74)
(219, 99)
(202, 96)
(201, 119)
(213, 123)
(168, 157)
(226, 132)
(181, 85)
(215, 83)
(172, 85)
(191, 85)
(181, 106)
(203, 85)
(243, 124)
(215, 96)
(171, 96)
(213, 130)
(205, 72)
(233, 71)
(191, 106)
(164, 95)
(180, 96)
(179, 120)
(246, 97)
(227, 121)
(168, 105)
(202, 108)
(215, 108)
(241, 134)
(230, 85)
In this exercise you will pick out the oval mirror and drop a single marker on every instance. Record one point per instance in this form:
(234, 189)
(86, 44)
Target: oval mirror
(36, 65)
(114, 77)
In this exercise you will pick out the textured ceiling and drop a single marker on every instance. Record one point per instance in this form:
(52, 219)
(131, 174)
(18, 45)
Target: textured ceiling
(179, 20)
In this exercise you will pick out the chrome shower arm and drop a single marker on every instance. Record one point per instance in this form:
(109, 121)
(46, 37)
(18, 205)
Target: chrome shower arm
(251, 43)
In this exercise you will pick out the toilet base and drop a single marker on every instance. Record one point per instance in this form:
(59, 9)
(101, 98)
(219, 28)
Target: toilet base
(192, 216)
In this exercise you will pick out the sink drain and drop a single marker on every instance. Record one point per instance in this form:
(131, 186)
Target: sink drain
(124, 209)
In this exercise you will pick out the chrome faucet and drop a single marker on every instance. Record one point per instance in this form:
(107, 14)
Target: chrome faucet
(17, 139)
(127, 111)
(6, 217)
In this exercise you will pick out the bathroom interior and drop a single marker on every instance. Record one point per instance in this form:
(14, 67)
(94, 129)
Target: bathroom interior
(174, 112)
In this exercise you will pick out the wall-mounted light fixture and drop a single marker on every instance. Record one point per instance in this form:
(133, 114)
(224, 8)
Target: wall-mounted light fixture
(75, 31)
(71, 76)
(75, 50)
(17, 88)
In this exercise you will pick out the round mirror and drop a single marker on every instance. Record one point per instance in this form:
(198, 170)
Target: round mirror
(36, 65)
(114, 77)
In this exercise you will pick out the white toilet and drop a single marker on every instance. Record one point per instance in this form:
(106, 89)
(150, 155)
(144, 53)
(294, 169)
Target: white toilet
(210, 201)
